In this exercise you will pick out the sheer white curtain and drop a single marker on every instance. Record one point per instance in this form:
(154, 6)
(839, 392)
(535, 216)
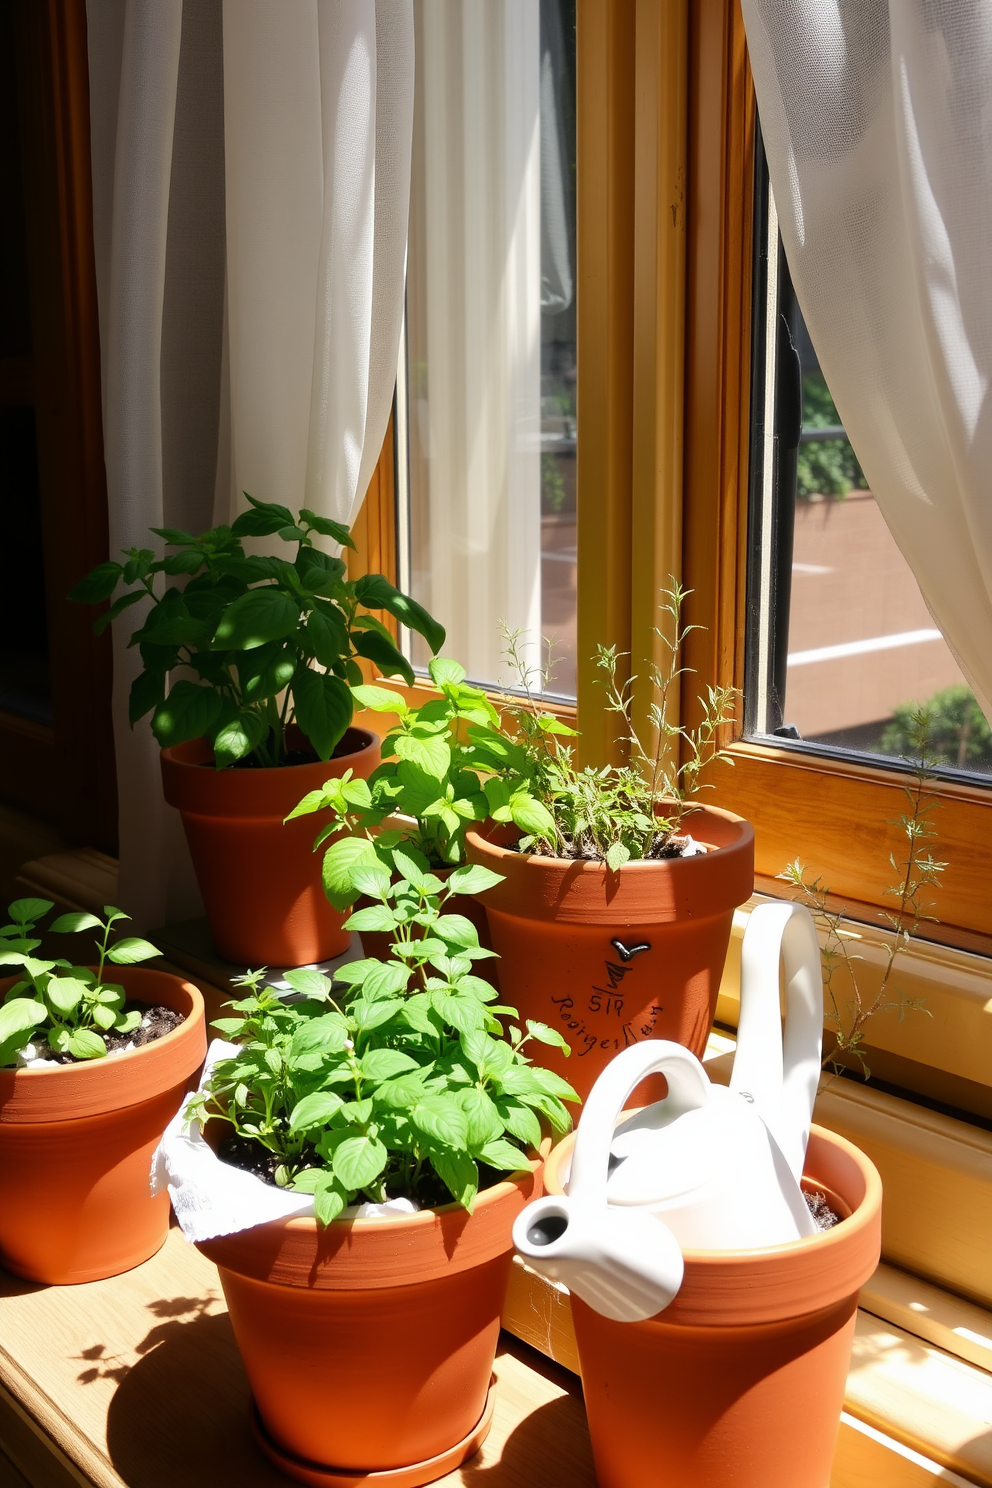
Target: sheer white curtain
(877, 122)
(474, 324)
(251, 167)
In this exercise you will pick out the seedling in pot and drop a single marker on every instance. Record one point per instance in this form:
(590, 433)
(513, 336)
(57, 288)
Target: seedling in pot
(57, 1007)
(401, 1086)
(425, 776)
(271, 640)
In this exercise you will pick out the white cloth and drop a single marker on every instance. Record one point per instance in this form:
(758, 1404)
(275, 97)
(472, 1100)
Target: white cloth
(251, 165)
(877, 123)
(212, 1198)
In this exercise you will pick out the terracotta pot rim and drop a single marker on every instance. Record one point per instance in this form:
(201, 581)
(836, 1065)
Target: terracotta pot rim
(382, 1252)
(20, 1089)
(482, 839)
(176, 756)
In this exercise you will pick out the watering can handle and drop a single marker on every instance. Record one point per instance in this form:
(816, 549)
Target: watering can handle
(780, 1073)
(688, 1088)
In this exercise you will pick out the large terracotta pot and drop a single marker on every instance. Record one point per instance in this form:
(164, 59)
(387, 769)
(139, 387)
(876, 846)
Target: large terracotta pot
(260, 879)
(76, 1145)
(739, 1383)
(369, 1345)
(612, 958)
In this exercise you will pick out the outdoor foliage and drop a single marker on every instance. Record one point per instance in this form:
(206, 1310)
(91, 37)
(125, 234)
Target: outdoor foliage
(402, 1084)
(827, 467)
(70, 1013)
(270, 641)
(959, 731)
(850, 1007)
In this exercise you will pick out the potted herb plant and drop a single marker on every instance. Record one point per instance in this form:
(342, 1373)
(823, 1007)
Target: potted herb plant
(425, 795)
(618, 888)
(92, 1069)
(269, 648)
(369, 1342)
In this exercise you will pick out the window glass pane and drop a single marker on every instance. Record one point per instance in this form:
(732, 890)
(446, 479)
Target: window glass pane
(841, 645)
(486, 435)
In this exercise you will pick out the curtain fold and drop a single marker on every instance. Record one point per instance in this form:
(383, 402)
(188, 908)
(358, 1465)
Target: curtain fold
(250, 264)
(877, 123)
(474, 326)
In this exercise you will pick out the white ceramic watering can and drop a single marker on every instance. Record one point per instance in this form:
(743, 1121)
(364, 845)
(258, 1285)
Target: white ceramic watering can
(707, 1168)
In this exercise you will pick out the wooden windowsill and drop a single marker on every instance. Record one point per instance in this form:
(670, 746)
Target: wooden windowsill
(136, 1382)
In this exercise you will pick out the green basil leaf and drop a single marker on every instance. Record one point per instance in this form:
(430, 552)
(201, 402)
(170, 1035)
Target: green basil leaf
(358, 1161)
(70, 924)
(315, 1110)
(326, 636)
(473, 879)
(147, 692)
(189, 711)
(237, 738)
(384, 1064)
(85, 1044)
(130, 950)
(117, 608)
(503, 1156)
(546, 1035)
(459, 1174)
(390, 661)
(442, 1119)
(521, 1122)
(259, 616)
(445, 672)
(376, 593)
(484, 1122)
(323, 709)
(65, 994)
(98, 584)
(328, 528)
(380, 700)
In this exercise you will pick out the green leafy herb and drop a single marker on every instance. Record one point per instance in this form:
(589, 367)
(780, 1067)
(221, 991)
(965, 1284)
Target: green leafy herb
(271, 641)
(402, 1084)
(68, 1008)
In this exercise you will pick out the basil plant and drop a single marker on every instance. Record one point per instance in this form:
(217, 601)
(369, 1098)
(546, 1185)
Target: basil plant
(269, 640)
(400, 1084)
(67, 1009)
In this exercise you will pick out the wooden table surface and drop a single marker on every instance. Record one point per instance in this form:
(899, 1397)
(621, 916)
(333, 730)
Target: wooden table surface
(137, 1381)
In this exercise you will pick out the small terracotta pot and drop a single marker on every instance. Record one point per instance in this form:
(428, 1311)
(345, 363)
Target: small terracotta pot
(612, 958)
(739, 1383)
(369, 1346)
(260, 879)
(76, 1145)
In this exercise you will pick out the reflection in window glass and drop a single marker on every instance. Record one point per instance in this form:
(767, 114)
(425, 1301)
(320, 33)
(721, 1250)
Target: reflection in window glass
(859, 649)
(486, 435)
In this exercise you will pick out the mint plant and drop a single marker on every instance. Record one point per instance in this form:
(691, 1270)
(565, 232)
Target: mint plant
(402, 1086)
(69, 1008)
(270, 640)
(425, 776)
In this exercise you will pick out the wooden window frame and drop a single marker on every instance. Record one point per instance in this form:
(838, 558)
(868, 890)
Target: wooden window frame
(665, 120)
(63, 773)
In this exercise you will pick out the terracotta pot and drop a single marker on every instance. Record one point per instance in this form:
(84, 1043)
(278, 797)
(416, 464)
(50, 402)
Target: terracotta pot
(76, 1145)
(612, 958)
(260, 879)
(739, 1383)
(369, 1345)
